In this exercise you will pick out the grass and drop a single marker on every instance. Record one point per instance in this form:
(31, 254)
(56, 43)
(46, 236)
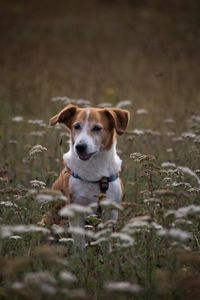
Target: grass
(104, 51)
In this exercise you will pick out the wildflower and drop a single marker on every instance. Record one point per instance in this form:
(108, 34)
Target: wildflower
(141, 111)
(141, 221)
(57, 229)
(153, 132)
(169, 121)
(66, 212)
(122, 286)
(83, 102)
(67, 276)
(177, 139)
(37, 122)
(44, 198)
(80, 209)
(124, 238)
(169, 133)
(8, 204)
(124, 103)
(15, 237)
(80, 231)
(38, 184)
(175, 233)
(111, 204)
(99, 241)
(138, 132)
(66, 240)
(17, 285)
(36, 150)
(188, 171)
(188, 134)
(105, 104)
(18, 119)
(8, 230)
(38, 133)
(48, 289)
(184, 211)
(39, 277)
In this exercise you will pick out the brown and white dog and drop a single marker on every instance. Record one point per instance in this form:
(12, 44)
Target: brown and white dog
(92, 164)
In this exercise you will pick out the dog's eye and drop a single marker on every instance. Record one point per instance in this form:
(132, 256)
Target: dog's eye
(96, 128)
(77, 126)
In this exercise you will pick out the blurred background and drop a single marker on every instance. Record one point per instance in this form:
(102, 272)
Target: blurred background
(101, 50)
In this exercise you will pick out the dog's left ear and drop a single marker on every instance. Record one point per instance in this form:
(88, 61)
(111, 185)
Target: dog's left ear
(65, 116)
(119, 118)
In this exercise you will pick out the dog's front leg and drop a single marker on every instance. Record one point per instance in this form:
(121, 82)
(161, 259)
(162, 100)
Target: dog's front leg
(76, 225)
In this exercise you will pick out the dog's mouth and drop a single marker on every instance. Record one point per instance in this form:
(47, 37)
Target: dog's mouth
(86, 156)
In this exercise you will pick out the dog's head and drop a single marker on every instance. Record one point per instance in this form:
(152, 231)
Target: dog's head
(92, 129)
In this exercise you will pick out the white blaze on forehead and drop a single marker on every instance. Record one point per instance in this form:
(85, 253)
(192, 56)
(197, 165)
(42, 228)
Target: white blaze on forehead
(84, 136)
(85, 126)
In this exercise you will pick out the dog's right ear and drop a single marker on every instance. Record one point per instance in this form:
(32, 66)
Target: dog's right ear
(65, 116)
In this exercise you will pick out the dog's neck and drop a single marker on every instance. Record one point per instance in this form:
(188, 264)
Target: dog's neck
(105, 163)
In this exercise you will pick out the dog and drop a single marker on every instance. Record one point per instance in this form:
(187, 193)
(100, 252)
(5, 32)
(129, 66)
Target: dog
(92, 165)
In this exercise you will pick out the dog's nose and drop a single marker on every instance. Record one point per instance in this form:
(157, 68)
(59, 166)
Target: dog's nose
(81, 147)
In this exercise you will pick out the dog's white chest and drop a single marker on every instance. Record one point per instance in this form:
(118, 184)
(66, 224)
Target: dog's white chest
(85, 193)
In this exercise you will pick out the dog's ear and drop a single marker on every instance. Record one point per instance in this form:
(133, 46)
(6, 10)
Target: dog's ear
(119, 118)
(65, 116)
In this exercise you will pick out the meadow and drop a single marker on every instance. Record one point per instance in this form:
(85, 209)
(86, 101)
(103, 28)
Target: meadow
(139, 55)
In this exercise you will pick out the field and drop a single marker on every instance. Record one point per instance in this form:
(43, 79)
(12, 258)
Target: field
(139, 55)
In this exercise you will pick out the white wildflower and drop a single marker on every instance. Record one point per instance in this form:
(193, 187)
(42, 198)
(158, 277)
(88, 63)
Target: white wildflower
(102, 233)
(40, 133)
(38, 183)
(188, 171)
(138, 131)
(57, 229)
(44, 198)
(111, 204)
(80, 209)
(169, 133)
(80, 231)
(66, 212)
(153, 132)
(83, 102)
(105, 104)
(184, 211)
(122, 286)
(8, 204)
(175, 233)
(188, 134)
(37, 122)
(39, 278)
(15, 237)
(141, 111)
(124, 238)
(8, 230)
(67, 276)
(18, 119)
(177, 139)
(48, 289)
(124, 103)
(169, 121)
(17, 285)
(36, 150)
(66, 240)
(99, 241)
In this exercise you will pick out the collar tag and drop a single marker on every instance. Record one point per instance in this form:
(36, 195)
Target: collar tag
(104, 184)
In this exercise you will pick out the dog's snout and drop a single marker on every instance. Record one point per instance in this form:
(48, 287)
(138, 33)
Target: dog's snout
(81, 147)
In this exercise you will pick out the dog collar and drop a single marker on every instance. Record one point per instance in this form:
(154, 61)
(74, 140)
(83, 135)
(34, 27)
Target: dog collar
(103, 182)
